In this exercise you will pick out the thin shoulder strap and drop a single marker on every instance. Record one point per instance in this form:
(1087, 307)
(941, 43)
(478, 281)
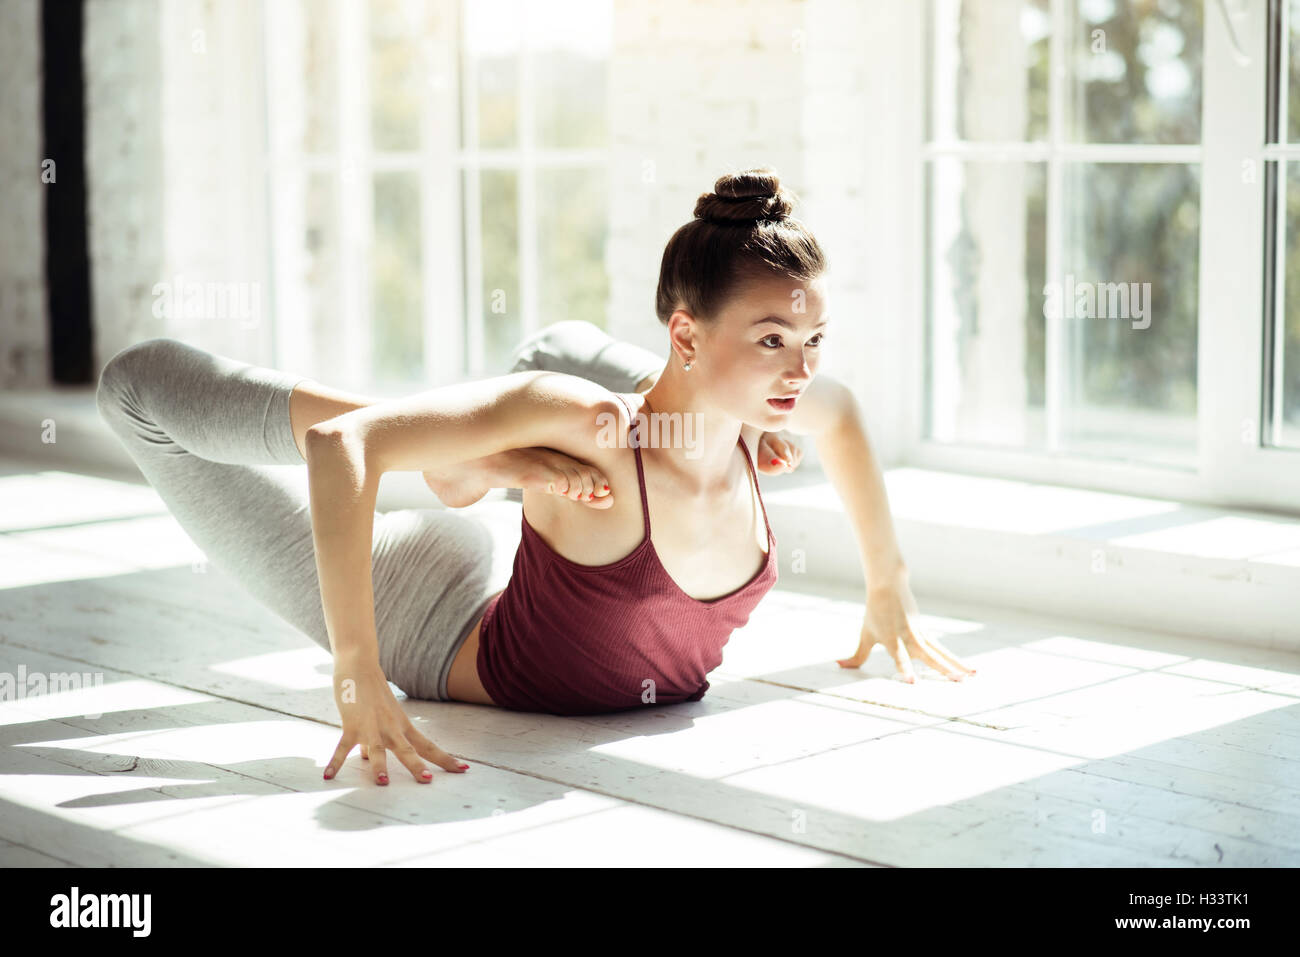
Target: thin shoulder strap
(640, 472)
(757, 493)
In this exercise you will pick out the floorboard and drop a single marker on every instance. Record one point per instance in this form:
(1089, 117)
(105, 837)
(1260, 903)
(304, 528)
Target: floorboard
(200, 737)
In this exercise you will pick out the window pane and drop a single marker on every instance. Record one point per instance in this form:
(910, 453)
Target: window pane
(1293, 71)
(397, 339)
(1136, 72)
(493, 36)
(501, 318)
(320, 78)
(572, 217)
(571, 45)
(396, 73)
(320, 269)
(1129, 297)
(985, 345)
(1285, 429)
(989, 75)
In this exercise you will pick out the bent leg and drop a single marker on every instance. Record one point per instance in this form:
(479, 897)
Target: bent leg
(434, 572)
(580, 348)
(205, 431)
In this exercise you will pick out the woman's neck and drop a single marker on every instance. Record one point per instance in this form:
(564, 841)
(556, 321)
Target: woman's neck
(696, 445)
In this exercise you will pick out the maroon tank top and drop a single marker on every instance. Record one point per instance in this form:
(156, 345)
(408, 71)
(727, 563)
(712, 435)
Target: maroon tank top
(565, 638)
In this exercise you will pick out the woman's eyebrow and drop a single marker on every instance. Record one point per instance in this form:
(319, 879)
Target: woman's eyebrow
(783, 322)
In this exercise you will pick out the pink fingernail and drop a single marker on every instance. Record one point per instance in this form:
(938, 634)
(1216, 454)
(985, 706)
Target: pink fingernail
(383, 779)
(464, 767)
(426, 773)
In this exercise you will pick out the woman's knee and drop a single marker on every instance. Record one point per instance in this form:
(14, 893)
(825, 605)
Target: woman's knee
(125, 368)
(548, 348)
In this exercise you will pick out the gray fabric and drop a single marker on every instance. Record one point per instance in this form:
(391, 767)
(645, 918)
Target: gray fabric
(212, 436)
(580, 348)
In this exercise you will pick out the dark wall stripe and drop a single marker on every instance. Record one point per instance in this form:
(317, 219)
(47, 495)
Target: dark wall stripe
(67, 265)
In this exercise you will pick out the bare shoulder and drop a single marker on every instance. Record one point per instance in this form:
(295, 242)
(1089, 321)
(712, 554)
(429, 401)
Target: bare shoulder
(586, 415)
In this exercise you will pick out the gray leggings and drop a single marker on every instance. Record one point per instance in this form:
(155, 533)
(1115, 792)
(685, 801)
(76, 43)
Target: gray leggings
(212, 436)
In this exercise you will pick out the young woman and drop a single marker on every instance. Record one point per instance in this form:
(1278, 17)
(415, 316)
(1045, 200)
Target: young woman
(599, 614)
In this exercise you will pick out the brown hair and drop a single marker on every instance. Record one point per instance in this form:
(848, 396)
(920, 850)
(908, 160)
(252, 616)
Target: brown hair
(741, 231)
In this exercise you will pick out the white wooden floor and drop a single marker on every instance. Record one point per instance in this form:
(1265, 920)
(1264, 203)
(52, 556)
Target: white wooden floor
(1075, 745)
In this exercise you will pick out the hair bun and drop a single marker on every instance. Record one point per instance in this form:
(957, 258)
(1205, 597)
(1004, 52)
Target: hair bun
(745, 198)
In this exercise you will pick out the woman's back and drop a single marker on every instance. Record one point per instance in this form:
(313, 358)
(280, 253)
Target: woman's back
(595, 617)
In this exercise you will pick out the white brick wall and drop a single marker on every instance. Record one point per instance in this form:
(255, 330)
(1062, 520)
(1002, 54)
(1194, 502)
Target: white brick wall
(702, 88)
(170, 161)
(24, 311)
(124, 131)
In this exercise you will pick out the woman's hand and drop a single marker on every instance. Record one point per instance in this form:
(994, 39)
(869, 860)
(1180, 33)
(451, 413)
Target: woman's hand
(373, 719)
(777, 455)
(887, 622)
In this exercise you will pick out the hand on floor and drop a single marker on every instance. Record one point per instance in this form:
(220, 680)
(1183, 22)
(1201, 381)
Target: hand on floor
(373, 719)
(890, 610)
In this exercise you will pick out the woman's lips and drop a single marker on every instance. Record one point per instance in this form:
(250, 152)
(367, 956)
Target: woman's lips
(781, 405)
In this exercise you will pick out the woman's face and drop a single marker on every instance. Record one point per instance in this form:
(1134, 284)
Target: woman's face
(766, 343)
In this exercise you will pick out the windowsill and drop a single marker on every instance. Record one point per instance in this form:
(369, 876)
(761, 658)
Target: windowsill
(1229, 574)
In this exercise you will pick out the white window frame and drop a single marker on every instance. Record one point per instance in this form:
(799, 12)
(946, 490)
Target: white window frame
(1232, 468)
(452, 269)
(524, 161)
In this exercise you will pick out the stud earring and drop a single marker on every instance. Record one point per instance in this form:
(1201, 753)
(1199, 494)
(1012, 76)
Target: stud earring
(687, 366)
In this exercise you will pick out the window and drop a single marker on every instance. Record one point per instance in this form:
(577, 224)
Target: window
(1063, 209)
(534, 170)
(1096, 209)
(1281, 400)
(436, 174)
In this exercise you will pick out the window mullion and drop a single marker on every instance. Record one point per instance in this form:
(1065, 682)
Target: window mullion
(1284, 63)
(355, 186)
(527, 182)
(286, 178)
(1054, 339)
(473, 202)
(1231, 302)
(442, 252)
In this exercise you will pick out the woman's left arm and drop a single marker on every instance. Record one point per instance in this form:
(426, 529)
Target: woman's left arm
(834, 420)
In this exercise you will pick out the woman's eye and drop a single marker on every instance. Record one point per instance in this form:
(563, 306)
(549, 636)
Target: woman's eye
(815, 341)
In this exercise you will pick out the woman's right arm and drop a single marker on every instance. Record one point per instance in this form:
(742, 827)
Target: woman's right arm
(342, 492)
(458, 423)
(347, 455)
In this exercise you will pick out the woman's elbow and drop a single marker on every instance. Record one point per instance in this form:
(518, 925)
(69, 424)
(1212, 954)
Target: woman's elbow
(335, 442)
